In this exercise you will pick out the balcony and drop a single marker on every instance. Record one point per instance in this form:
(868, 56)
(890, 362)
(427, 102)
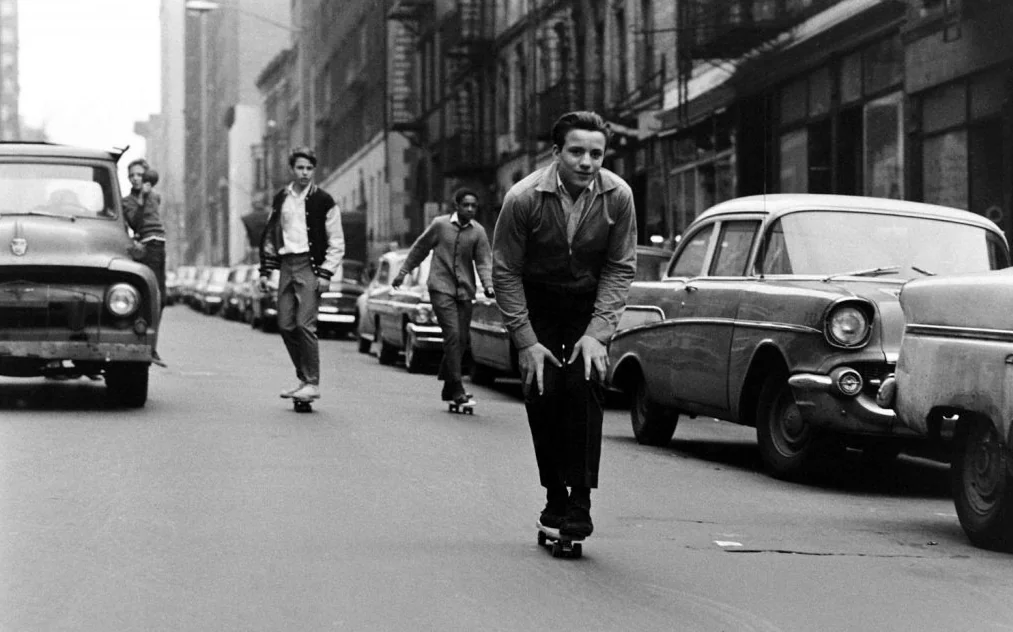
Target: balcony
(464, 153)
(403, 112)
(411, 10)
(727, 29)
(465, 32)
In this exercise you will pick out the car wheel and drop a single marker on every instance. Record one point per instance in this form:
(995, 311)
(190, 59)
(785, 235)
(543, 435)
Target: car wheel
(248, 315)
(127, 384)
(481, 374)
(387, 354)
(413, 358)
(981, 485)
(788, 445)
(365, 344)
(653, 424)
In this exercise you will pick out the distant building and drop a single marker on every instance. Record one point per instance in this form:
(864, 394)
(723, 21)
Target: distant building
(10, 121)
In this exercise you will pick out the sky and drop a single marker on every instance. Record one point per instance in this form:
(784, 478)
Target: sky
(90, 69)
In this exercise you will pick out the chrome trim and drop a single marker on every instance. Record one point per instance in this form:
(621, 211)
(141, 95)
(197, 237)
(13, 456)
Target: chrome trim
(972, 333)
(336, 318)
(811, 382)
(654, 309)
(732, 322)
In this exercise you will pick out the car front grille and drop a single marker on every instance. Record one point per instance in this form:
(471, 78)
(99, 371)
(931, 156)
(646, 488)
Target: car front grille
(873, 374)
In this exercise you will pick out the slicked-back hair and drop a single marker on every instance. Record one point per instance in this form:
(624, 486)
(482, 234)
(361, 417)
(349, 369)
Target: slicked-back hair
(150, 176)
(302, 152)
(463, 191)
(138, 162)
(580, 119)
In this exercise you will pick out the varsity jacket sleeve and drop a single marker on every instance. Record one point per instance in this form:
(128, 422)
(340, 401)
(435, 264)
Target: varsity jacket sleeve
(509, 246)
(335, 244)
(618, 272)
(420, 249)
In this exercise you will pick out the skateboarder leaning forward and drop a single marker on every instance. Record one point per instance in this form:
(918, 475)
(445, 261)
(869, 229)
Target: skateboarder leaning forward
(303, 238)
(459, 245)
(564, 255)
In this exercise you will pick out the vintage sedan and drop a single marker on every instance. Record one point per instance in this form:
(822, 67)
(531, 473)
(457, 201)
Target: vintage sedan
(492, 352)
(781, 312)
(264, 303)
(404, 321)
(385, 269)
(72, 300)
(233, 305)
(954, 384)
(337, 314)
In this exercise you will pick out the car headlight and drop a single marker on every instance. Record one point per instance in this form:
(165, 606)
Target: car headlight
(423, 315)
(847, 326)
(123, 299)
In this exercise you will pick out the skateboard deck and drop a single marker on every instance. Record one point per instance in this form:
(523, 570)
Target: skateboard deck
(560, 545)
(466, 408)
(302, 405)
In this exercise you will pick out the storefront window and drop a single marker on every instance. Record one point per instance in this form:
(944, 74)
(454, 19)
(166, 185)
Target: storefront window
(944, 170)
(819, 92)
(794, 162)
(944, 107)
(794, 101)
(884, 157)
(984, 153)
(851, 78)
(883, 65)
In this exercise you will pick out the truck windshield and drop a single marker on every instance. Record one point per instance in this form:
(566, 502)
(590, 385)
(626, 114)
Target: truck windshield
(63, 190)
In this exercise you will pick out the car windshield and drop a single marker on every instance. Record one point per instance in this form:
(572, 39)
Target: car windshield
(895, 246)
(72, 191)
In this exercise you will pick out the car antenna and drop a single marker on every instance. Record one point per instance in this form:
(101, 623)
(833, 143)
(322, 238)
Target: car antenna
(118, 152)
(766, 158)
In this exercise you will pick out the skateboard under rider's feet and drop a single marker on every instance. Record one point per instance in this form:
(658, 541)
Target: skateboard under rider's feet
(303, 405)
(561, 545)
(461, 408)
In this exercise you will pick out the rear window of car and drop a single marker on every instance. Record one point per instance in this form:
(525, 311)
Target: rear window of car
(65, 190)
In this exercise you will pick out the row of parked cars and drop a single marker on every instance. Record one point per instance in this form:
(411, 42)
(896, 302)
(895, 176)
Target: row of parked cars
(827, 323)
(234, 293)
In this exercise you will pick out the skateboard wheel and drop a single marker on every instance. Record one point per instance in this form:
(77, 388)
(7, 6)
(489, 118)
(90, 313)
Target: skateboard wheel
(557, 549)
(541, 539)
(578, 550)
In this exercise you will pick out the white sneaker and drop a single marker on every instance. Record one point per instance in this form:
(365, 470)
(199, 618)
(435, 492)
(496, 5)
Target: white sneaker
(307, 392)
(287, 393)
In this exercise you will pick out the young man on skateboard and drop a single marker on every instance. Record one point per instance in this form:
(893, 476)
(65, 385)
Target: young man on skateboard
(459, 245)
(564, 255)
(303, 238)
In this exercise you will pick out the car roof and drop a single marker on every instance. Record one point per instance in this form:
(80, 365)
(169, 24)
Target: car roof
(53, 150)
(776, 203)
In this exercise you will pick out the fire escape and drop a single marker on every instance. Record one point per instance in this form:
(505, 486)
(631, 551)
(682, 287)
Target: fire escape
(466, 36)
(724, 31)
(404, 110)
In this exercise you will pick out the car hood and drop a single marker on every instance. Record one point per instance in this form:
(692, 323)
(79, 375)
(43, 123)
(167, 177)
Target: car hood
(53, 241)
(884, 294)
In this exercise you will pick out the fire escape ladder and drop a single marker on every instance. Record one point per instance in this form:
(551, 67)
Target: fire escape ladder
(407, 17)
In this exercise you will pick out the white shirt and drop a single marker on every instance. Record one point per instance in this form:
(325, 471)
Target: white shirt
(294, 235)
(574, 209)
(457, 220)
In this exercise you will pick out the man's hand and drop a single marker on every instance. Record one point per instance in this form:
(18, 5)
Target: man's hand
(532, 361)
(396, 282)
(594, 354)
(489, 293)
(323, 284)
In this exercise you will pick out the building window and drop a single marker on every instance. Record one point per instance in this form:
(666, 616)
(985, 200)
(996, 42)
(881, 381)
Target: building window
(795, 162)
(884, 149)
(944, 169)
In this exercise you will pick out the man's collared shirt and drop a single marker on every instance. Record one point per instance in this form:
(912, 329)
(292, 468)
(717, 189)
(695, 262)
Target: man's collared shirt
(295, 238)
(454, 219)
(574, 209)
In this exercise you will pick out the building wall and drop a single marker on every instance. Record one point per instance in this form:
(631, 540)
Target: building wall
(10, 121)
(167, 153)
(244, 133)
(359, 187)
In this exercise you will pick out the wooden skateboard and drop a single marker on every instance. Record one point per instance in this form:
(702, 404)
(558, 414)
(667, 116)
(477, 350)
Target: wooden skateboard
(560, 545)
(467, 407)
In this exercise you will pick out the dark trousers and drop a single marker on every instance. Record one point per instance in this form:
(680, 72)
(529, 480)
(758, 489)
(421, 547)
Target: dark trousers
(298, 302)
(566, 419)
(454, 316)
(154, 258)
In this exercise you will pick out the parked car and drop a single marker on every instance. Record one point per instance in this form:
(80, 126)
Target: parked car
(780, 312)
(954, 384)
(210, 294)
(232, 307)
(403, 321)
(387, 267)
(175, 290)
(337, 314)
(72, 301)
(194, 289)
(264, 303)
(492, 352)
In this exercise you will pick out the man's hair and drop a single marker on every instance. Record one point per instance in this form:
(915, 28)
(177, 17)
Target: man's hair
(302, 152)
(141, 162)
(581, 119)
(150, 176)
(463, 191)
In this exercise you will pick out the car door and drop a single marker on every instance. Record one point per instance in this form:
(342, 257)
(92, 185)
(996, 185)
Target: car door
(659, 346)
(710, 304)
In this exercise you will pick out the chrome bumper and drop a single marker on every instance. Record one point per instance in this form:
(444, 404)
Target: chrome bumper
(823, 406)
(97, 351)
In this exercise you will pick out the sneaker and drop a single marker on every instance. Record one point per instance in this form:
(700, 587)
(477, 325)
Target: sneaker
(307, 392)
(577, 523)
(287, 393)
(463, 398)
(555, 509)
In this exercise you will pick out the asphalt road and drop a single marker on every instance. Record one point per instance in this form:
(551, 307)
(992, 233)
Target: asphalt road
(217, 507)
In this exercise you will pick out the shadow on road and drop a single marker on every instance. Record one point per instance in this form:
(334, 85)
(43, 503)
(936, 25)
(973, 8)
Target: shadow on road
(41, 394)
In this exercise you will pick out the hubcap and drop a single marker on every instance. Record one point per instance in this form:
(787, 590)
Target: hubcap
(790, 432)
(982, 468)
